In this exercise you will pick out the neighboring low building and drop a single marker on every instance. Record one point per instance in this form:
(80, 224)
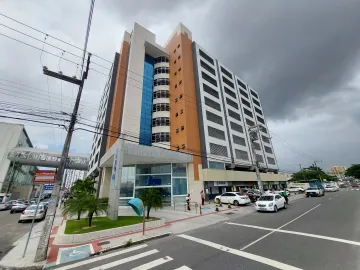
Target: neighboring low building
(183, 116)
(338, 171)
(11, 173)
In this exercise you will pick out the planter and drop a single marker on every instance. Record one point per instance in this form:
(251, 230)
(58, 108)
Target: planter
(64, 239)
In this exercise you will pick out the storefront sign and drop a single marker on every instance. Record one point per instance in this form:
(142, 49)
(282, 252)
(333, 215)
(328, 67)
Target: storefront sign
(44, 176)
(220, 183)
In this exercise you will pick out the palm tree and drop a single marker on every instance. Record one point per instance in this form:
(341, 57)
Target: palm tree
(94, 206)
(83, 186)
(151, 198)
(75, 206)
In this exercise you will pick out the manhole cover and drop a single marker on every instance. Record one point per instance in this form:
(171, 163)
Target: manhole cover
(230, 213)
(103, 243)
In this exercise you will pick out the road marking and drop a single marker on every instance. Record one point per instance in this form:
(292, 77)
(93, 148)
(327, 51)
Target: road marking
(257, 258)
(99, 258)
(154, 263)
(299, 233)
(125, 260)
(266, 235)
(184, 267)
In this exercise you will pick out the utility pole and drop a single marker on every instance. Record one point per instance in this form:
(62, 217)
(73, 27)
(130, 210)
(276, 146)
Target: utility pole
(41, 252)
(302, 172)
(253, 132)
(317, 169)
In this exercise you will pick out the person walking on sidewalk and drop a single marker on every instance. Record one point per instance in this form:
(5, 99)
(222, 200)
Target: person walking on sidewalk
(188, 202)
(202, 194)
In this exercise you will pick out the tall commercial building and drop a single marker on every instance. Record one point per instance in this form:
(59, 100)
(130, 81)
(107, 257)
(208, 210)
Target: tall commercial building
(338, 171)
(188, 109)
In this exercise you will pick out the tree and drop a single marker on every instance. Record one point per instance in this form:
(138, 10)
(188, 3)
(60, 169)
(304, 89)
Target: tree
(310, 173)
(353, 171)
(151, 198)
(83, 186)
(95, 206)
(75, 206)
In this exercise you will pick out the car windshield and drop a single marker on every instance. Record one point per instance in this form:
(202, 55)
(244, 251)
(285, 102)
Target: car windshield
(266, 198)
(33, 207)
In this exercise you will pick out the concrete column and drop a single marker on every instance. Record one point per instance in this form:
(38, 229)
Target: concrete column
(105, 185)
(113, 207)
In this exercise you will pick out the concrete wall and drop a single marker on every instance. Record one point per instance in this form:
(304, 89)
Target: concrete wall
(9, 138)
(227, 175)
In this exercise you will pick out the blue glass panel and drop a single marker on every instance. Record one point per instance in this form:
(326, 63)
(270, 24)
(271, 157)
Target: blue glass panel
(147, 99)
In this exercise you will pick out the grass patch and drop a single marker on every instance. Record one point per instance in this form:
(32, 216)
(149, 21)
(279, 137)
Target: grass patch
(101, 223)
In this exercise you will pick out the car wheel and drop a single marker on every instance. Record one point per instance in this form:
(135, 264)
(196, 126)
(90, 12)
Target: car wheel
(236, 203)
(20, 221)
(275, 209)
(11, 212)
(285, 205)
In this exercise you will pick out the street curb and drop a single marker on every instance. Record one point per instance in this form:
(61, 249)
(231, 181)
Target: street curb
(133, 243)
(21, 268)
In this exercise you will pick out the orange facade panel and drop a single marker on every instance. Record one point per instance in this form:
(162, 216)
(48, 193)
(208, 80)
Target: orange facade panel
(184, 127)
(119, 93)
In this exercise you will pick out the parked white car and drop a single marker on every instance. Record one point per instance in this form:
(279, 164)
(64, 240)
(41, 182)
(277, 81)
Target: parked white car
(235, 198)
(295, 189)
(29, 213)
(331, 188)
(270, 203)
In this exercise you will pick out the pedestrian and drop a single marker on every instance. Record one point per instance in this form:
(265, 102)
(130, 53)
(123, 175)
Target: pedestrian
(202, 194)
(285, 196)
(188, 202)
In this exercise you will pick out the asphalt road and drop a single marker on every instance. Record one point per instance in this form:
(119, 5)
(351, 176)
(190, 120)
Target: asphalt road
(10, 230)
(313, 233)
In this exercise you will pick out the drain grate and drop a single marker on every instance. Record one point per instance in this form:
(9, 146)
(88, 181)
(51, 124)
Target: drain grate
(103, 243)
(230, 213)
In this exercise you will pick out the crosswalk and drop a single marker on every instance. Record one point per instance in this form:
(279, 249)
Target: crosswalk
(352, 189)
(140, 255)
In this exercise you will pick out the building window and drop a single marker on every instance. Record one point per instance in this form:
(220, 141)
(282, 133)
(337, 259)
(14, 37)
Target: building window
(258, 111)
(216, 133)
(176, 114)
(214, 118)
(247, 112)
(234, 115)
(180, 82)
(161, 121)
(265, 139)
(175, 51)
(229, 92)
(271, 160)
(179, 56)
(263, 129)
(228, 82)
(161, 81)
(260, 120)
(216, 165)
(178, 46)
(161, 70)
(240, 154)
(256, 102)
(254, 94)
(161, 137)
(218, 150)
(177, 130)
(208, 79)
(175, 62)
(205, 56)
(212, 104)
(162, 59)
(183, 146)
(268, 149)
(241, 84)
(256, 146)
(159, 107)
(232, 103)
(179, 186)
(239, 140)
(259, 158)
(175, 86)
(181, 96)
(181, 111)
(175, 73)
(161, 94)
(207, 67)
(249, 122)
(244, 93)
(210, 91)
(227, 73)
(182, 127)
(245, 102)
(179, 69)
(176, 100)
(177, 148)
(236, 127)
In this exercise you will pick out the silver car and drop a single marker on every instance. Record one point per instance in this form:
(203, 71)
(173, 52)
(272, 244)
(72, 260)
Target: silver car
(29, 213)
(18, 207)
(5, 206)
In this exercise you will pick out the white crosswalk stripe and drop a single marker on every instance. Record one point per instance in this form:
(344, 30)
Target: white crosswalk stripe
(184, 267)
(125, 260)
(152, 264)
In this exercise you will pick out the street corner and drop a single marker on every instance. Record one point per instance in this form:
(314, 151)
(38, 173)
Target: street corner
(70, 254)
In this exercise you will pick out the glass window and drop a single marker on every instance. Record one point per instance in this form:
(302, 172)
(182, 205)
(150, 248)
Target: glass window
(256, 146)
(236, 127)
(214, 118)
(161, 107)
(153, 180)
(239, 140)
(161, 137)
(216, 133)
(259, 158)
(208, 79)
(271, 160)
(212, 104)
(250, 123)
(240, 154)
(265, 139)
(241, 84)
(205, 56)
(153, 168)
(127, 181)
(245, 102)
(232, 103)
(160, 70)
(268, 149)
(161, 121)
(256, 102)
(229, 92)
(234, 115)
(161, 81)
(179, 186)
(244, 93)
(179, 170)
(253, 93)
(227, 73)
(247, 112)
(218, 150)
(161, 94)
(228, 82)
(260, 119)
(258, 111)
(207, 67)
(210, 91)
(216, 165)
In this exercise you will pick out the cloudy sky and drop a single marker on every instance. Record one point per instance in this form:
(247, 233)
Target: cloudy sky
(303, 57)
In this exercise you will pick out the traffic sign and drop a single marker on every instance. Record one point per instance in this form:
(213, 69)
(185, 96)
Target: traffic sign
(44, 176)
